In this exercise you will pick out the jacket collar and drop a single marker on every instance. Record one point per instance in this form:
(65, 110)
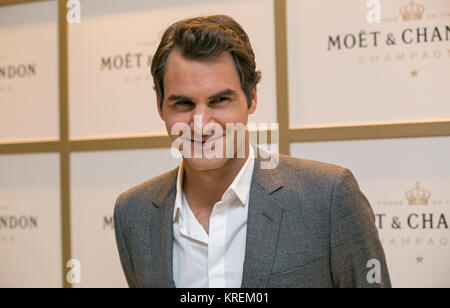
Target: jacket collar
(263, 224)
(264, 221)
(268, 179)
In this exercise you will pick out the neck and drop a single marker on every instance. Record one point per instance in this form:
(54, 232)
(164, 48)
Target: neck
(208, 186)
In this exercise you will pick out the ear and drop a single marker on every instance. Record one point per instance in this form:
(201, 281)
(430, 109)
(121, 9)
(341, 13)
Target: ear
(253, 101)
(159, 107)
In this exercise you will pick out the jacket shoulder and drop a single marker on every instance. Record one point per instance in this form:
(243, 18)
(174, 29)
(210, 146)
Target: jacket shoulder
(312, 183)
(309, 170)
(144, 193)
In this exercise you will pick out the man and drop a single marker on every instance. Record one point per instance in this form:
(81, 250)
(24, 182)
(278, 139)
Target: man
(225, 221)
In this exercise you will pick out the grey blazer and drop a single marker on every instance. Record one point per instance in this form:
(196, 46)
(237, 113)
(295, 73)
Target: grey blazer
(309, 225)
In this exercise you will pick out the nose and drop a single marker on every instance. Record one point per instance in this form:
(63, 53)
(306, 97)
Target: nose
(201, 116)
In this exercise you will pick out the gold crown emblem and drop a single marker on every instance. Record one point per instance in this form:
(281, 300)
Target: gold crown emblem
(412, 11)
(418, 196)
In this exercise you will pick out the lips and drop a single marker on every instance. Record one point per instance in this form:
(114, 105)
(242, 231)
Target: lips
(204, 141)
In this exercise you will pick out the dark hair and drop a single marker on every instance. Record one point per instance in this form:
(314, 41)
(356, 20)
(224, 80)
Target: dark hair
(206, 38)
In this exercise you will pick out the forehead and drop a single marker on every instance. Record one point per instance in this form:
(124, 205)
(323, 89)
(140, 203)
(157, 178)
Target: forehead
(198, 77)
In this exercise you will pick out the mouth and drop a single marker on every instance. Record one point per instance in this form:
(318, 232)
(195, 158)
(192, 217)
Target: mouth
(204, 141)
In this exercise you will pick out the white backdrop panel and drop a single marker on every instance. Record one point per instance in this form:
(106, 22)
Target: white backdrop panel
(97, 179)
(111, 89)
(386, 170)
(29, 72)
(30, 221)
(394, 71)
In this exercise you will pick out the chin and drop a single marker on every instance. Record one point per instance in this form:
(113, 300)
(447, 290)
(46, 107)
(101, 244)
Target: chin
(205, 164)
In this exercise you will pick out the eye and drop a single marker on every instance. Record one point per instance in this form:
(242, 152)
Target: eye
(220, 100)
(184, 103)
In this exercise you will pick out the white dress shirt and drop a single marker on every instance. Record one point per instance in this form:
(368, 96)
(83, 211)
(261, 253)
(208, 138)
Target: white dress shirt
(215, 260)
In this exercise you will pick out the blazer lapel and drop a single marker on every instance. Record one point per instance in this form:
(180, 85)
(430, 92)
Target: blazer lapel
(263, 226)
(163, 240)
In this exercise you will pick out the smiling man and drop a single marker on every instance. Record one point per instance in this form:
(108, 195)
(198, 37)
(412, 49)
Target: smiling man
(224, 220)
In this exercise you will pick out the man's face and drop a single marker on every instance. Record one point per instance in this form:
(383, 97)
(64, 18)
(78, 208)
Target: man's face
(210, 89)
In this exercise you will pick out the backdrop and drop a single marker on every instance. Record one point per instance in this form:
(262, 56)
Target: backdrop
(79, 124)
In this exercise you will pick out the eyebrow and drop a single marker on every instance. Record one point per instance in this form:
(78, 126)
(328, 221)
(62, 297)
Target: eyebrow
(226, 92)
(177, 97)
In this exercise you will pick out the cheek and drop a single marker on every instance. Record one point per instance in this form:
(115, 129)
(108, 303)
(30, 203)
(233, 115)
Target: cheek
(171, 121)
(237, 113)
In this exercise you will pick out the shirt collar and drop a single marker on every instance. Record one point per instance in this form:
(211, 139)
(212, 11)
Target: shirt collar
(240, 186)
(241, 183)
(179, 196)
